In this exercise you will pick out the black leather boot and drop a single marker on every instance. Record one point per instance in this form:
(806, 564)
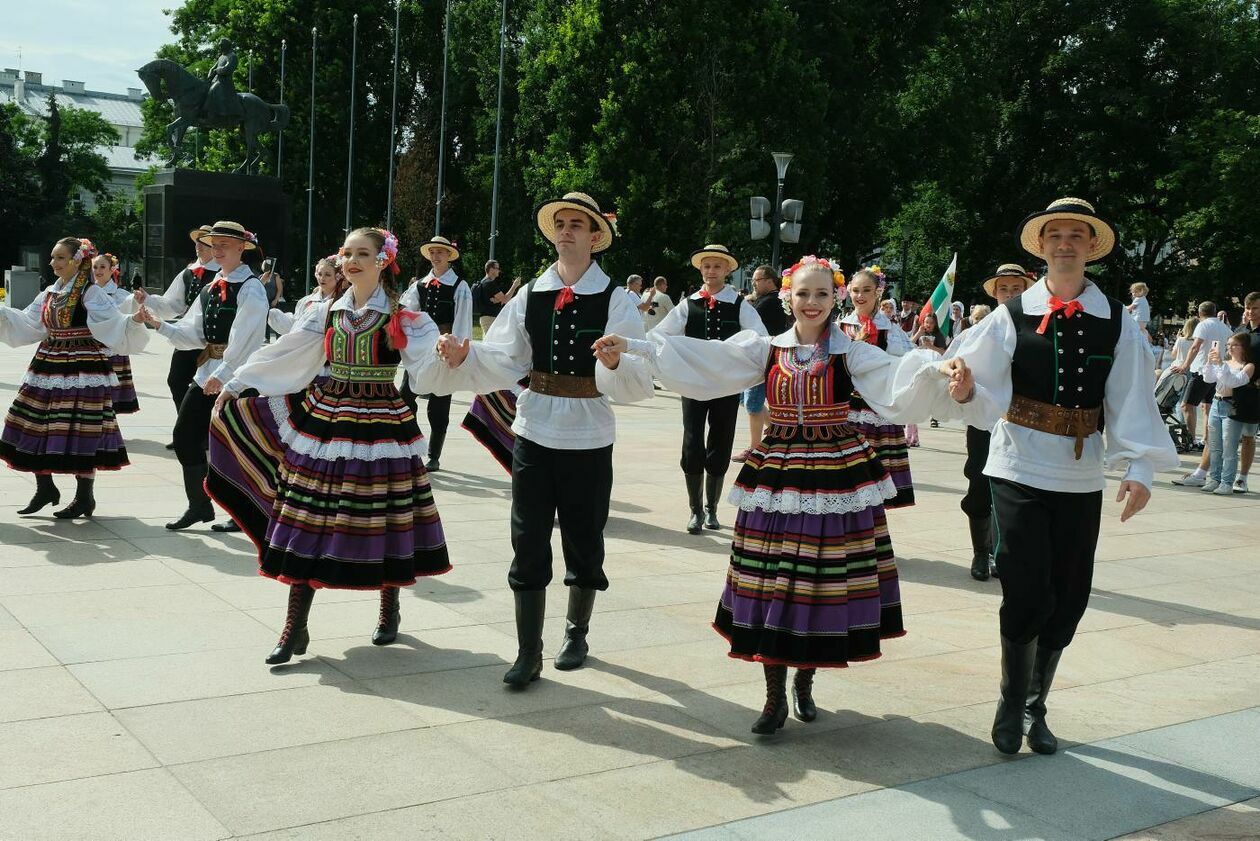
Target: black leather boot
(46, 493)
(200, 509)
(83, 503)
(572, 653)
(294, 638)
(437, 438)
(980, 547)
(695, 501)
(803, 706)
(1017, 667)
(387, 624)
(226, 527)
(1040, 739)
(774, 713)
(712, 487)
(531, 606)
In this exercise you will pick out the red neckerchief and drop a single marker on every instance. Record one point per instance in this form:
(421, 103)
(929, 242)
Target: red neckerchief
(199, 271)
(434, 282)
(711, 299)
(1055, 305)
(872, 332)
(564, 298)
(220, 284)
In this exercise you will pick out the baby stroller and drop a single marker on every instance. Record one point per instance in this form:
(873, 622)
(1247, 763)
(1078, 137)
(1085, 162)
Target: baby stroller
(1168, 393)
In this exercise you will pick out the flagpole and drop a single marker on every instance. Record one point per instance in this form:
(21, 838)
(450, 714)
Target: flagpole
(284, 47)
(393, 121)
(354, 56)
(310, 170)
(498, 136)
(446, 48)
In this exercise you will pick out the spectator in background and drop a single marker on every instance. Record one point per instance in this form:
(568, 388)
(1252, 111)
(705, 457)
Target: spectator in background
(136, 281)
(1234, 411)
(1198, 392)
(634, 288)
(1140, 309)
(1251, 322)
(888, 307)
(775, 319)
(491, 293)
(656, 303)
(908, 320)
(928, 335)
(978, 312)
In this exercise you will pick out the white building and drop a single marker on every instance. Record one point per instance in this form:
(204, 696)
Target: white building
(122, 111)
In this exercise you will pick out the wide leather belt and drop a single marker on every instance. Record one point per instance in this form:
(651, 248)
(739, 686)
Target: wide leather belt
(210, 351)
(562, 385)
(1057, 420)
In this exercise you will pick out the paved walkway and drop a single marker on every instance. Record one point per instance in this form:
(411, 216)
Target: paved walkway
(134, 703)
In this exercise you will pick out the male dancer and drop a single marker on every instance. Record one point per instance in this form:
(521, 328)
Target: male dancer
(173, 303)
(562, 460)
(1007, 282)
(1044, 369)
(447, 298)
(225, 323)
(717, 311)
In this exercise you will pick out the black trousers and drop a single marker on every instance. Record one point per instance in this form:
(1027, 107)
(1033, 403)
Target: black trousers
(709, 453)
(183, 368)
(577, 485)
(192, 426)
(437, 408)
(1045, 550)
(978, 500)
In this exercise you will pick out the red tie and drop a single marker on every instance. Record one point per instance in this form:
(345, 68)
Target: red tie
(220, 284)
(433, 283)
(199, 271)
(1055, 305)
(564, 298)
(872, 332)
(705, 296)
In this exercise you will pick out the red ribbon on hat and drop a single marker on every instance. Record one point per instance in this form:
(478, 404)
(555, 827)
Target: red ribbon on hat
(1055, 305)
(711, 299)
(872, 332)
(220, 284)
(394, 329)
(564, 298)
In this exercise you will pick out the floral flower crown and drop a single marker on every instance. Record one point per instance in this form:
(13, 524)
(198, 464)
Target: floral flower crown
(837, 278)
(86, 250)
(387, 256)
(881, 281)
(113, 262)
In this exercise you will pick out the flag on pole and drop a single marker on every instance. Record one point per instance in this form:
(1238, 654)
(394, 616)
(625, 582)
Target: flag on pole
(941, 298)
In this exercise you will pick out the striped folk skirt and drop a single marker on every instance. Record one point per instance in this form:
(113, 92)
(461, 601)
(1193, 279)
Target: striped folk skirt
(889, 443)
(489, 420)
(62, 419)
(126, 401)
(330, 485)
(812, 582)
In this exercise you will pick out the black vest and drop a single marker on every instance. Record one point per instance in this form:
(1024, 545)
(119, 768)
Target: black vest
(217, 315)
(439, 302)
(193, 284)
(1067, 365)
(721, 322)
(561, 341)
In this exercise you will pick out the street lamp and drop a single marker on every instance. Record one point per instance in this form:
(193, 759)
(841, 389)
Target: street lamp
(781, 161)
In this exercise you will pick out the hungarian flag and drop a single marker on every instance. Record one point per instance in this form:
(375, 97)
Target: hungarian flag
(941, 298)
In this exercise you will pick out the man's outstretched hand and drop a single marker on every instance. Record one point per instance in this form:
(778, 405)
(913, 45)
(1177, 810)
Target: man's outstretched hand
(1138, 495)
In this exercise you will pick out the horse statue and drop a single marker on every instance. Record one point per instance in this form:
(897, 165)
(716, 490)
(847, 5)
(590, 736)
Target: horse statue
(165, 79)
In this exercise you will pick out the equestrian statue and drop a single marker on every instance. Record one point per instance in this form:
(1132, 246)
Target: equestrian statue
(212, 103)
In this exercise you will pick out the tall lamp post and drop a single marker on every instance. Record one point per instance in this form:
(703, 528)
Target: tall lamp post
(441, 178)
(393, 121)
(354, 58)
(310, 166)
(781, 161)
(284, 47)
(498, 135)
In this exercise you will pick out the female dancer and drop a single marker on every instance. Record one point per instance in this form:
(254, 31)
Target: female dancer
(62, 419)
(328, 480)
(105, 275)
(812, 581)
(330, 284)
(867, 324)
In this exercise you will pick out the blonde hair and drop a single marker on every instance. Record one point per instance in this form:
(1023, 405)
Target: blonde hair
(1139, 288)
(1187, 329)
(813, 268)
(979, 311)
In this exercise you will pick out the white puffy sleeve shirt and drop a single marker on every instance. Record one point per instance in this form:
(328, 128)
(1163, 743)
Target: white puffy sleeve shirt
(505, 356)
(1134, 433)
(461, 327)
(249, 329)
(675, 321)
(108, 326)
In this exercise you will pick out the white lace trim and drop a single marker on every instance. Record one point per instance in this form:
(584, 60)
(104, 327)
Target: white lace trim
(57, 382)
(794, 502)
(329, 450)
(867, 416)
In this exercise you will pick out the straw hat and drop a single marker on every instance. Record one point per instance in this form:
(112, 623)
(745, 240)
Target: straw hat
(545, 216)
(1067, 208)
(715, 251)
(1014, 270)
(197, 233)
(439, 242)
(229, 230)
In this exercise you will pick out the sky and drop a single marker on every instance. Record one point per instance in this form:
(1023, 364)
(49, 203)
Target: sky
(97, 42)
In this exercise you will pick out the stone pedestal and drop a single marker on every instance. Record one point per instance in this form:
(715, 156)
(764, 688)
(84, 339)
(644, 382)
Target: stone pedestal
(182, 199)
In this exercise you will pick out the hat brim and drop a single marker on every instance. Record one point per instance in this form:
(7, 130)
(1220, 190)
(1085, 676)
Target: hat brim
(545, 218)
(196, 234)
(991, 282)
(1031, 228)
(428, 247)
(207, 236)
(731, 263)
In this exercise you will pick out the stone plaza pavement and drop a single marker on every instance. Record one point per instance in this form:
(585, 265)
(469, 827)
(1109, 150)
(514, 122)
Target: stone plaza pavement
(135, 704)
